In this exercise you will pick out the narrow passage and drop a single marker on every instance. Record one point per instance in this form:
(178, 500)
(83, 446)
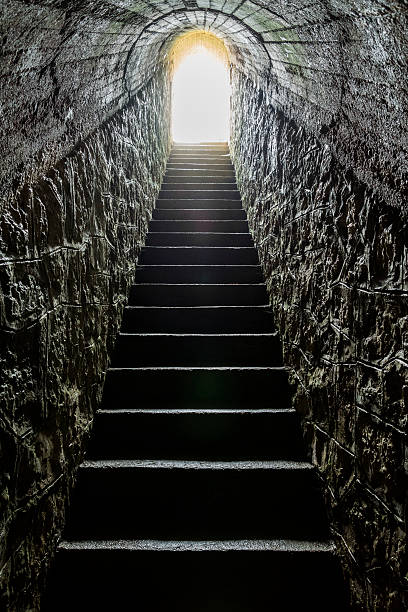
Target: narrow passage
(196, 494)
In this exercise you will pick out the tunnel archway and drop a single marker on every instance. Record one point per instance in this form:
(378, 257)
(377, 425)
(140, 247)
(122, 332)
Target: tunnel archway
(318, 137)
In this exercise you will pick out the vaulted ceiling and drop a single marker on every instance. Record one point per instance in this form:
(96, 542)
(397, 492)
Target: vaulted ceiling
(69, 64)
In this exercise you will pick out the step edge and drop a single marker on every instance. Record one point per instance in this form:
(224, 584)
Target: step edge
(203, 221)
(283, 546)
(199, 233)
(198, 221)
(207, 411)
(257, 306)
(201, 247)
(199, 335)
(195, 199)
(202, 368)
(232, 284)
(206, 183)
(275, 465)
(195, 266)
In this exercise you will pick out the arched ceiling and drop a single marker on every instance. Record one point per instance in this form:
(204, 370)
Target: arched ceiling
(69, 64)
(245, 45)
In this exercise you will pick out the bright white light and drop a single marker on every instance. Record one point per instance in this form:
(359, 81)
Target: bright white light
(201, 99)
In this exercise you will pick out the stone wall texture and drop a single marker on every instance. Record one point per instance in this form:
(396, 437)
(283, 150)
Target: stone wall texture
(335, 257)
(319, 138)
(69, 244)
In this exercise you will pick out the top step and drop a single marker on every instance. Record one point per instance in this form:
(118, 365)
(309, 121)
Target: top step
(212, 158)
(200, 145)
(200, 149)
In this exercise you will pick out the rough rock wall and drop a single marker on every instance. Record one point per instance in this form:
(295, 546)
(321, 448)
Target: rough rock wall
(69, 244)
(336, 260)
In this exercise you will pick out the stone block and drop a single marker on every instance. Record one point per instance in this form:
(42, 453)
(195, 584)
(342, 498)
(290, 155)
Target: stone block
(380, 453)
(395, 389)
(16, 226)
(369, 388)
(48, 214)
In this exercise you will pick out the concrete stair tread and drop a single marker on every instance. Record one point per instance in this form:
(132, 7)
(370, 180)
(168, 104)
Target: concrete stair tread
(197, 272)
(198, 294)
(213, 177)
(199, 239)
(182, 499)
(278, 546)
(202, 319)
(196, 186)
(202, 165)
(216, 255)
(166, 464)
(201, 173)
(198, 335)
(201, 214)
(199, 194)
(200, 386)
(223, 226)
(261, 308)
(201, 285)
(192, 203)
(141, 349)
(202, 411)
(207, 235)
(199, 249)
(203, 368)
(258, 575)
(199, 154)
(198, 266)
(194, 434)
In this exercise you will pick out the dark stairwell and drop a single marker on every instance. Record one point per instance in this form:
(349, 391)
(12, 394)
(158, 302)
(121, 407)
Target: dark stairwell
(196, 493)
(318, 133)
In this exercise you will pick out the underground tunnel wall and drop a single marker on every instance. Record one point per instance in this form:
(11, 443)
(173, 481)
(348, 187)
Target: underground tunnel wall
(70, 241)
(335, 258)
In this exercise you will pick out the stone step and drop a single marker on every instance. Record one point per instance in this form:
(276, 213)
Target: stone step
(203, 274)
(225, 227)
(195, 204)
(199, 152)
(152, 294)
(196, 434)
(134, 350)
(208, 239)
(200, 165)
(210, 154)
(207, 161)
(170, 179)
(203, 214)
(199, 194)
(201, 149)
(201, 145)
(198, 319)
(197, 387)
(177, 500)
(197, 187)
(196, 576)
(227, 256)
(221, 174)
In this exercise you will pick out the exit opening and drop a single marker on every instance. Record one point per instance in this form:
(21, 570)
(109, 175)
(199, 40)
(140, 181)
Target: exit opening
(200, 89)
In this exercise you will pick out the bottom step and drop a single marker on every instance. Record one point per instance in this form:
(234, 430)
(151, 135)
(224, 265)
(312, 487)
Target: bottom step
(232, 576)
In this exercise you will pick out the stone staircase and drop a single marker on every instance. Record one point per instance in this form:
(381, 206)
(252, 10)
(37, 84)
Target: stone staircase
(196, 495)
